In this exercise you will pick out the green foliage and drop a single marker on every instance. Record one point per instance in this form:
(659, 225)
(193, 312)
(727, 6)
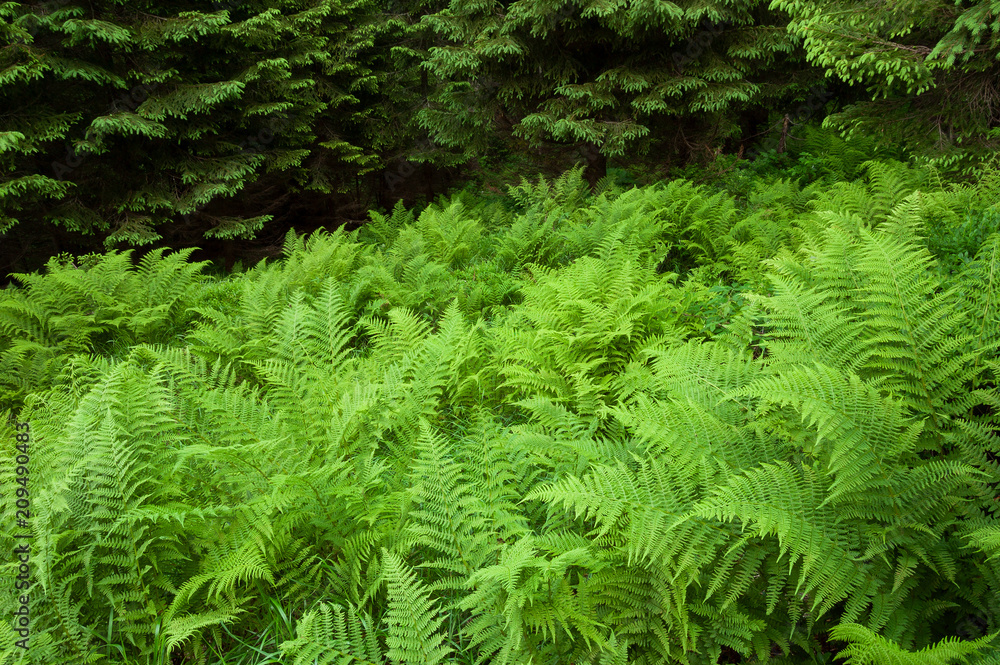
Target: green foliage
(126, 118)
(410, 617)
(647, 425)
(957, 241)
(93, 304)
(813, 154)
(165, 120)
(927, 67)
(868, 648)
(602, 77)
(328, 634)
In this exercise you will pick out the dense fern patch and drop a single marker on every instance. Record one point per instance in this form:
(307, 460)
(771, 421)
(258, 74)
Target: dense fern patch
(651, 425)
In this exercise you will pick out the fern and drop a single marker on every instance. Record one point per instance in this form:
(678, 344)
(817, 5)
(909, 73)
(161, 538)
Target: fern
(329, 634)
(447, 518)
(103, 304)
(451, 236)
(410, 619)
(384, 229)
(867, 648)
(566, 191)
(611, 309)
(521, 436)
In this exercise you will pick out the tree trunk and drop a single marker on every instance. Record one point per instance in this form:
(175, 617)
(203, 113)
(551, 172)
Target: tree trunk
(429, 181)
(784, 134)
(229, 254)
(597, 166)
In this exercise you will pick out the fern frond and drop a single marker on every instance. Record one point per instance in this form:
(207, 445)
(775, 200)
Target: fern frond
(411, 618)
(328, 634)
(918, 333)
(447, 517)
(868, 648)
(780, 500)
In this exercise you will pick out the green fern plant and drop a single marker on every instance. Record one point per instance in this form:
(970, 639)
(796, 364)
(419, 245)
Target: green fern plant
(868, 648)
(852, 471)
(101, 305)
(581, 325)
(342, 456)
(330, 634)
(410, 618)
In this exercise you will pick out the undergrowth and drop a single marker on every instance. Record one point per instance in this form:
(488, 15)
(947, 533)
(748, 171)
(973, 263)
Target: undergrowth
(667, 424)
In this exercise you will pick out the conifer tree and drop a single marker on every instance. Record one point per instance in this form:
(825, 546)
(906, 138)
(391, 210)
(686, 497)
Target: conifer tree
(930, 69)
(607, 77)
(401, 46)
(118, 119)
